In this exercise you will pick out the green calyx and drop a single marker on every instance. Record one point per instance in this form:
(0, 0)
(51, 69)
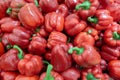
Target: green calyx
(85, 5)
(93, 20)
(36, 3)
(9, 46)
(20, 54)
(78, 50)
(116, 35)
(9, 10)
(90, 77)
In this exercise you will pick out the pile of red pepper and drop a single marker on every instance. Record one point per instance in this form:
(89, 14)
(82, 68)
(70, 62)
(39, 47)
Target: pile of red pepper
(59, 39)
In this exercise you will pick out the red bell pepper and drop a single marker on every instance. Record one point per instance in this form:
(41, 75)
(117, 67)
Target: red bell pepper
(23, 77)
(19, 36)
(2, 50)
(84, 37)
(87, 8)
(63, 10)
(33, 1)
(60, 59)
(9, 60)
(71, 74)
(8, 75)
(112, 35)
(110, 53)
(30, 65)
(113, 69)
(54, 22)
(8, 24)
(48, 5)
(73, 25)
(56, 38)
(85, 55)
(101, 19)
(37, 45)
(33, 18)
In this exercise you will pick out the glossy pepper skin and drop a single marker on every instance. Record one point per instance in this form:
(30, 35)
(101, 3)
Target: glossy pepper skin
(87, 8)
(85, 55)
(73, 25)
(8, 75)
(23, 77)
(71, 74)
(62, 9)
(2, 49)
(84, 37)
(30, 65)
(37, 45)
(112, 35)
(33, 18)
(101, 19)
(55, 38)
(56, 76)
(19, 36)
(60, 59)
(9, 60)
(8, 24)
(110, 53)
(114, 69)
(54, 22)
(48, 5)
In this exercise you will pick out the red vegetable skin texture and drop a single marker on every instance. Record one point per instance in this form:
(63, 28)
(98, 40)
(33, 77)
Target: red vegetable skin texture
(23, 77)
(56, 76)
(71, 74)
(60, 59)
(54, 22)
(8, 75)
(33, 18)
(73, 25)
(30, 65)
(9, 60)
(2, 49)
(56, 38)
(48, 5)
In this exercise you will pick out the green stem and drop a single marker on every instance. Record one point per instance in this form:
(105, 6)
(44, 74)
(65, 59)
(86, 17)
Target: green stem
(8, 46)
(116, 36)
(85, 5)
(9, 10)
(78, 50)
(93, 20)
(20, 54)
(89, 31)
(36, 3)
(90, 77)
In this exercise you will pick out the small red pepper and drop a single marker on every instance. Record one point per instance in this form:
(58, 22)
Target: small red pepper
(54, 22)
(101, 19)
(73, 25)
(30, 65)
(23, 77)
(87, 8)
(85, 55)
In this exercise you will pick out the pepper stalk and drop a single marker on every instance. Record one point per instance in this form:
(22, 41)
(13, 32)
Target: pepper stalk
(116, 35)
(78, 50)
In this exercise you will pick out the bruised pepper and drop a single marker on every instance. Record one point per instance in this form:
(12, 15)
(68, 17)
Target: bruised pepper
(101, 19)
(87, 8)
(85, 55)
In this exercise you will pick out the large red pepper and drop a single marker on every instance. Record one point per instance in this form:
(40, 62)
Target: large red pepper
(114, 69)
(73, 25)
(60, 59)
(30, 65)
(2, 50)
(19, 36)
(8, 24)
(9, 60)
(71, 74)
(54, 22)
(23, 77)
(84, 37)
(101, 19)
(85, 55)
(112, 35)
(87, 8)
(37, 45)
(56, 38)
(33, 18)
(8, 75)
(110, 53)
(48, 5)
